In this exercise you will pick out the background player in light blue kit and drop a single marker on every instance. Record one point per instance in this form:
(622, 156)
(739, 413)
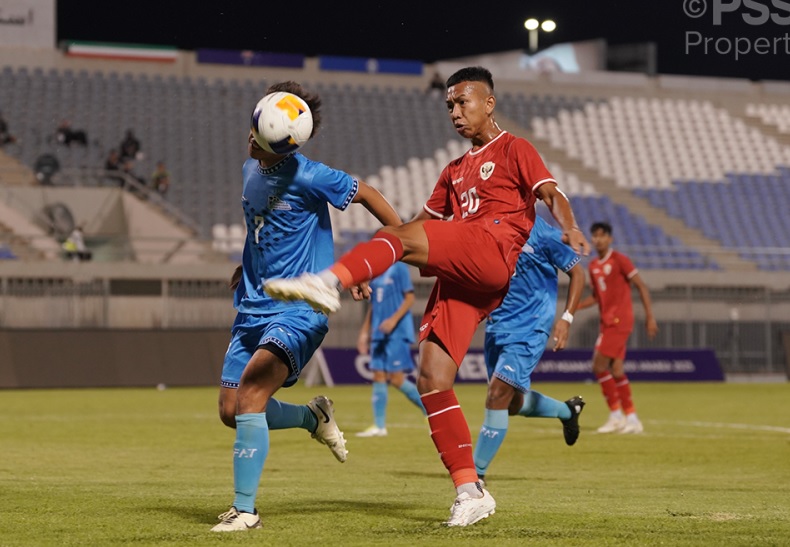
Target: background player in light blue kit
(285, 200)
(516, 336)
(388, 333)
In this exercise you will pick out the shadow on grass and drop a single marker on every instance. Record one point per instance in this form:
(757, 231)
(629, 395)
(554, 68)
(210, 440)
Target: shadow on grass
(494, 476)
(302, 507)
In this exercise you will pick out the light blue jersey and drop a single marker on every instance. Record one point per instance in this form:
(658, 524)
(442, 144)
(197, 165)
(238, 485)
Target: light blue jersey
(387, 296)
(530, 304)
(288, 226)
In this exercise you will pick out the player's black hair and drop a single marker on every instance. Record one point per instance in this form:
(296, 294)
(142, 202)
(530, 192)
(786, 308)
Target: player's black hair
(472, 74)
(605, 226)
(312, 99)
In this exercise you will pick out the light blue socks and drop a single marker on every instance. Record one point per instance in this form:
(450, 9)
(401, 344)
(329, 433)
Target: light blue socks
(492, 433)
(537, 405)
(410, 391)
(281, 415)
(379, 401)
(249, 454)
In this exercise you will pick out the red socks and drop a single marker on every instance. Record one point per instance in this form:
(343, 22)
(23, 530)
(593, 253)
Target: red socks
(450, 434)
(624, 393)
(368, 260)
(609, 388)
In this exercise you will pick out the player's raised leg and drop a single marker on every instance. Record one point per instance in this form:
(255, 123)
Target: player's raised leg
(362, 263)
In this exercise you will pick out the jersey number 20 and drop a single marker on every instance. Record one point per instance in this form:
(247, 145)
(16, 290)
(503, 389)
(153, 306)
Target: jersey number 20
(470, 202)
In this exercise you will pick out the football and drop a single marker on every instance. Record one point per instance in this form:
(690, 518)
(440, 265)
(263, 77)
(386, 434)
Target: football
(281, 122)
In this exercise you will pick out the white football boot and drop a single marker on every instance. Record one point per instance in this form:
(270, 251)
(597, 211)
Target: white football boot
(327, 431)
(632, 425)
(614, 424)
(467, 510)
(307, 287)
(373, 431)
(234, 521)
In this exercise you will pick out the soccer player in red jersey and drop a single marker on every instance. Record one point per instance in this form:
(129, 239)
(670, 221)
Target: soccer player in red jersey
(611, 275)
(469, 236)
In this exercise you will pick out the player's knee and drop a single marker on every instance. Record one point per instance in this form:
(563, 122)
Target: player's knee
(227, 412)
(499, 397)
(516, 402)
(395, 380)
(228, 420)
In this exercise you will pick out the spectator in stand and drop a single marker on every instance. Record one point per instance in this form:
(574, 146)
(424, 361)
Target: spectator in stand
(130, 146)
(5, 136)
(66, 135)
(128, 168)
(113, 164)
(436, 86)
(160, 178)
(75, 248)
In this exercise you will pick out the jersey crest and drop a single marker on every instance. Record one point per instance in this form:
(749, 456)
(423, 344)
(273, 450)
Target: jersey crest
(487, 169)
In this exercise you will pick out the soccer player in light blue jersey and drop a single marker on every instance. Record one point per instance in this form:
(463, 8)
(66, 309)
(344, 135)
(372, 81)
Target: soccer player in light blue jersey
(285, 201)
(387, 334)
(516, 336)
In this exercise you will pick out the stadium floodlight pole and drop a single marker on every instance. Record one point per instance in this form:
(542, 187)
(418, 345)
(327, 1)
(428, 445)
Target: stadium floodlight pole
(532, 25)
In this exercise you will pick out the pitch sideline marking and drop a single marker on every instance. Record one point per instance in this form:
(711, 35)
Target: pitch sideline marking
(722, 425)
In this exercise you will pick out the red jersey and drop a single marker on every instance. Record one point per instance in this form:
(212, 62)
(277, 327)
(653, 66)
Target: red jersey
(611, 283)
(495, 186)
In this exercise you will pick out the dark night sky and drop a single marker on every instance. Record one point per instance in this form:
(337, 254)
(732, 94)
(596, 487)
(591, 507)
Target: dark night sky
(431, 30)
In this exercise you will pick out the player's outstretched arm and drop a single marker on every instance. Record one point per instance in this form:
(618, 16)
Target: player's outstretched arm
(561, 210)
(563, 325)
(375, 202)
(644, 294)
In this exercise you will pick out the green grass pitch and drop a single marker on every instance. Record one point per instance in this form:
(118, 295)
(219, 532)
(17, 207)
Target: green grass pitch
(149, 467)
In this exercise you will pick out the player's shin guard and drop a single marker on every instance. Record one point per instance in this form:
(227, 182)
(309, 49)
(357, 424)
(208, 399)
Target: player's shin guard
(450, 434)
(249, 454)
(492, 434)
(379, 402)
(280, 415)
(537, 405)
(368, 260)
(609, 389)
(624, 393)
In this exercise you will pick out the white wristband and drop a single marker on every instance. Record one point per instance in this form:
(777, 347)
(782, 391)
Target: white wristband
(567, 316)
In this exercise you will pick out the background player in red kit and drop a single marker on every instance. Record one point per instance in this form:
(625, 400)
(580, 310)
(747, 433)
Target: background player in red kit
(611, 277)
(469, 236)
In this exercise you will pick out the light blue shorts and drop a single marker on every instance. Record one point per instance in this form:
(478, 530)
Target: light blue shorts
(512, 358)
(391, 355)
(297, 332)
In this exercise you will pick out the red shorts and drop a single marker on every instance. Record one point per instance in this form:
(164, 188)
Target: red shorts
(612, 341)
(473, 279)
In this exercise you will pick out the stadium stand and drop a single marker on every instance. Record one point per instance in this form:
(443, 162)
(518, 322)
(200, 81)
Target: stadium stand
(387, 130)
(663, 150)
